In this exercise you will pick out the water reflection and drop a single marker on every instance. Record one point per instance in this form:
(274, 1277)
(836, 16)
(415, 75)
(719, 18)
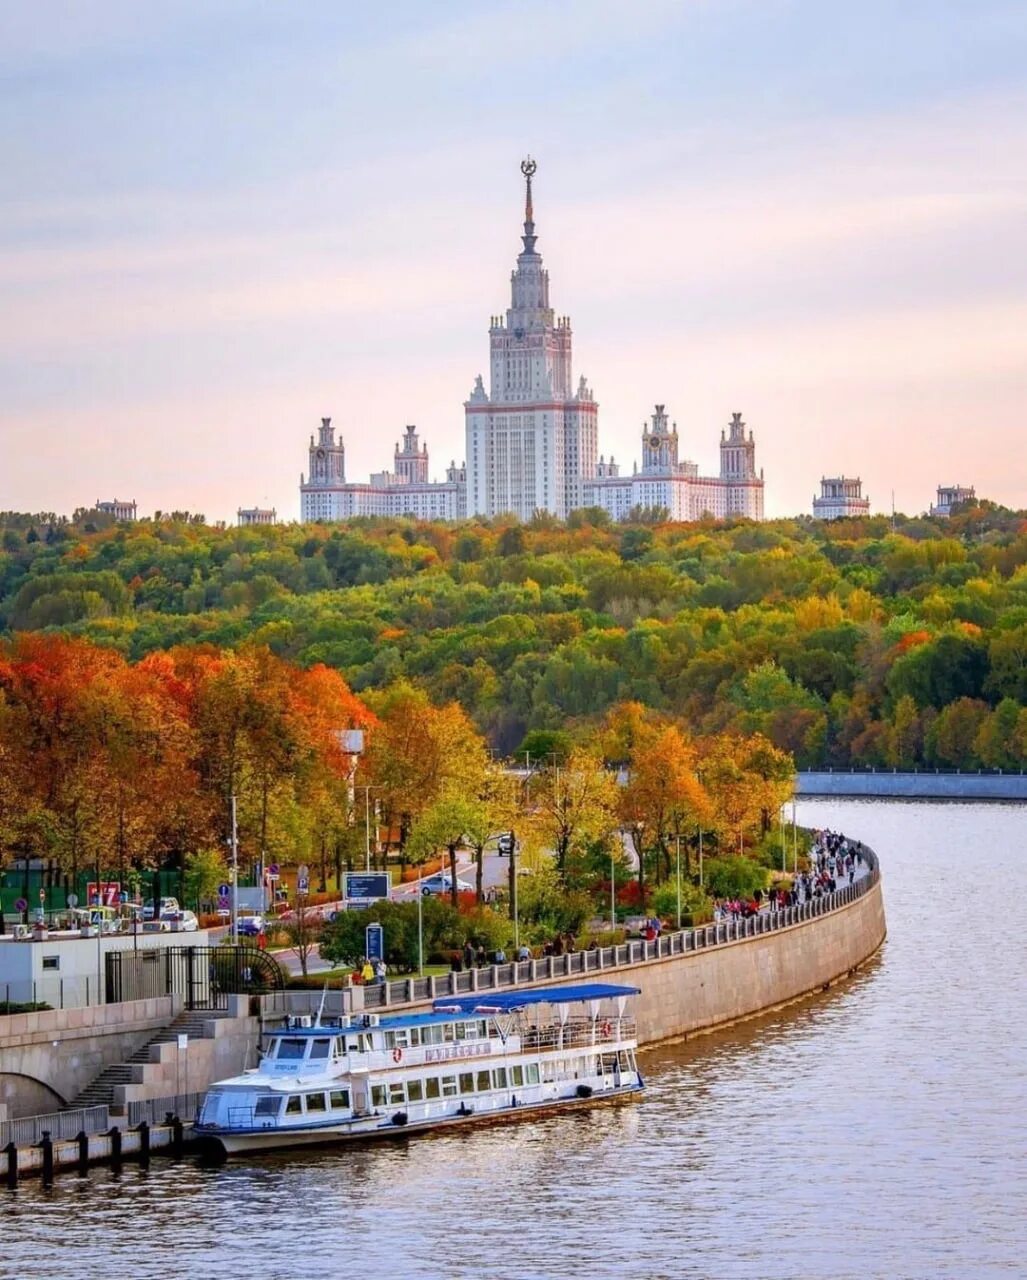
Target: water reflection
(875, 1130)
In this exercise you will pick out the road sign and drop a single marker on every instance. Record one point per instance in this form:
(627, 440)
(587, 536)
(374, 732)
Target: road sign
(224, 890)
(223, 902)
(302, 884)
(21, 905)
(272, 871)
(374, 942)
(303, 871)
(366, 886)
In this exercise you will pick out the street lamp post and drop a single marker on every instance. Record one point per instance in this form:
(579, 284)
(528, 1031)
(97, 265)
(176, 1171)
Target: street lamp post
(420, 931)
(700, 859)
(367, 789)
(678, 838)
(613, 893)
(795, 843)
(235, 875)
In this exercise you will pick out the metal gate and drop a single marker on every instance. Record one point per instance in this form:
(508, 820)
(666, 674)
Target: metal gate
(203, 976)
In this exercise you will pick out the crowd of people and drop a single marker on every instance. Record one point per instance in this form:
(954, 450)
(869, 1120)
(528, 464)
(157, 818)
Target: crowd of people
(834, 862)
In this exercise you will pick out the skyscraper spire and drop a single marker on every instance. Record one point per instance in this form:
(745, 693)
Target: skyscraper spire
(528, 167)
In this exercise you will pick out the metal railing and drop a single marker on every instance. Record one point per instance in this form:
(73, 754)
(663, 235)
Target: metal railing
(154, 1110)
(60, 1125)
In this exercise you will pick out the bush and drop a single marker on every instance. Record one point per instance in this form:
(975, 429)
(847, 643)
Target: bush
(734, 877)
(29, 1006)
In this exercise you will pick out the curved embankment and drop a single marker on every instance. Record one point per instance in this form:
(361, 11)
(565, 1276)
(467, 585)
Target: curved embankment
(692, 980)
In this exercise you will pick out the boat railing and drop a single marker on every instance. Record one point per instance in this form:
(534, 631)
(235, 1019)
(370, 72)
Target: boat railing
(577, 1033)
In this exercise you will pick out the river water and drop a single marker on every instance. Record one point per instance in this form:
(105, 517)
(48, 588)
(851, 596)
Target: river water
(878, 1130)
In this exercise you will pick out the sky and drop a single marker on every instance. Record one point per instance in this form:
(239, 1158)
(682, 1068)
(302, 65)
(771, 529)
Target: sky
(223, 220)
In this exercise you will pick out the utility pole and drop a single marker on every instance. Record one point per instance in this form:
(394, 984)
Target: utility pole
(678, 838)
(513, 889)
(235, 875)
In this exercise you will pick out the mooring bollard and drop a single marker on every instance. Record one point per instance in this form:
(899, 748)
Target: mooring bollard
(82, 1138)
(114, 1133)
(143, 1130)
(176, 1137)
(46, 1146)
(11, 1152)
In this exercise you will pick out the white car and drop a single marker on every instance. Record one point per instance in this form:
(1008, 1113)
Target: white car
(441, 883)
(184, 920)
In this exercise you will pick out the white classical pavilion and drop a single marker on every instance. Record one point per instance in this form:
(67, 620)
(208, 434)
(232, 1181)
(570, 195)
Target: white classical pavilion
(840, 496)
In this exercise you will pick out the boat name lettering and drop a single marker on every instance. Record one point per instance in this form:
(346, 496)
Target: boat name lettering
(457, 1051)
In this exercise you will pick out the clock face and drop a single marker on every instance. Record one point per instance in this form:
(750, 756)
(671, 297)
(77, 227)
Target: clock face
(320, 454)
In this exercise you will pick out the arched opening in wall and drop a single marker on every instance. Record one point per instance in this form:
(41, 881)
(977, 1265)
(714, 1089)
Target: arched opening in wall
(27, 1096)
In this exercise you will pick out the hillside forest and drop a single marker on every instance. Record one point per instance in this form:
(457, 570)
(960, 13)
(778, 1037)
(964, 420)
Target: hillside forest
(888, 643)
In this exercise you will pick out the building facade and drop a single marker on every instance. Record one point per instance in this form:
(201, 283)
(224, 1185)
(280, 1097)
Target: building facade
(840, 496)
(532, 438)
(951, 495)
(665, 482)
(404, 491)
(117, 508)
(256, 515)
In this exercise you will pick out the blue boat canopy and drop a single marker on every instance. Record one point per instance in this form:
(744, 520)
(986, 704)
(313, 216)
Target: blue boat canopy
(508, 1001)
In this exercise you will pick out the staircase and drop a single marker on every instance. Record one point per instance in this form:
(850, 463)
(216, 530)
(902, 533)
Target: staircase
(100, 1092)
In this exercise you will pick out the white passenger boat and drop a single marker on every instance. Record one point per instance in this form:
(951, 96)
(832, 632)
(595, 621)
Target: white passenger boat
(486, 1057)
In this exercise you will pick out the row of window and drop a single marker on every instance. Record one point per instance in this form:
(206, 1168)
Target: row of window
(437, 1033)
(452, 1086)
(319, 1103)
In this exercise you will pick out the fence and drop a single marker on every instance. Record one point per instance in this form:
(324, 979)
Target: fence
(203, 976)
(574, 963)
(59, 1124)
(156, 1110)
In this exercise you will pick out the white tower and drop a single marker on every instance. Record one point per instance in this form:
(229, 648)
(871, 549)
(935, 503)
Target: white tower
(530, 440)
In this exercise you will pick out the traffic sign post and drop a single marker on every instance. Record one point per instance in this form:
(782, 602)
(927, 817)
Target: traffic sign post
(360, 886)
(374, 942)
(302, 880)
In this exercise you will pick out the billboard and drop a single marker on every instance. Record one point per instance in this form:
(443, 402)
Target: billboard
(366, 886)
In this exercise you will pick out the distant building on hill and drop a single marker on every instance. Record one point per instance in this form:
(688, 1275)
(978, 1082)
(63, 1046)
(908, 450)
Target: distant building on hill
(257, 515)
(404, 491)
(675, 485)
(840, 496)
(117, 508)
(950, 496)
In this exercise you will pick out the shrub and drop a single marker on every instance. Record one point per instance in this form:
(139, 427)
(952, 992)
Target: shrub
(734, 877)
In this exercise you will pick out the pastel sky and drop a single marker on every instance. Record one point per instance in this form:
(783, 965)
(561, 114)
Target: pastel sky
(223, 219)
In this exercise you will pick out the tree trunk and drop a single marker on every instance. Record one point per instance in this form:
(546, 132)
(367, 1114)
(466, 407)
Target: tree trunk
(636, 839)
(479, 883)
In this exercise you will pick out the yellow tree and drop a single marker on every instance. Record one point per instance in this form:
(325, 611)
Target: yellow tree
(575, 804)
(663, 798)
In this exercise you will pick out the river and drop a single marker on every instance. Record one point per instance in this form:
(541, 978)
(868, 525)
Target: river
(878, 1130)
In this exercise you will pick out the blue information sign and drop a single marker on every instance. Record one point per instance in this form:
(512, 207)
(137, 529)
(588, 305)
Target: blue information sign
(374, 942)
(369, 886)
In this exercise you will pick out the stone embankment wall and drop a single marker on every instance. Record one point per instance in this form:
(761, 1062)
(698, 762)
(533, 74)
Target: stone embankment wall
(48, 1057)
(878, 784)
(690, 981)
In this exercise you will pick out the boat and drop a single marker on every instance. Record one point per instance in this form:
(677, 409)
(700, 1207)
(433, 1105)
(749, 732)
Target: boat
(487, 1057)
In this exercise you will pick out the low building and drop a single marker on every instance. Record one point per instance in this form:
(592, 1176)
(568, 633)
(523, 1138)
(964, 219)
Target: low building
(840, 497)
(117, 508)
(950, 496)
(257, 515)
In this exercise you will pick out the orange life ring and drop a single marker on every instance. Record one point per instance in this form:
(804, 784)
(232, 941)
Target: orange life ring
(397, 1055)
(606, 1029)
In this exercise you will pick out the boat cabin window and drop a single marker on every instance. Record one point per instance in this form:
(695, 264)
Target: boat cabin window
(268, 1105)
(290, 1048)
(466, 1081)
(321, 1048)
(315, 1102)
(397, 1093)
(293, 1107)
(415, 1090)
(449, 1086)
(484, 1081)
(499, 1077)
(339, 1099)
(532, 1073)
(431, 1088)
(378, 1095)
(517, 1076)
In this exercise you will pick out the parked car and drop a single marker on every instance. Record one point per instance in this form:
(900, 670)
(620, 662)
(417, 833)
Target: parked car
(185, 920)
(168, 907)
(441, 883)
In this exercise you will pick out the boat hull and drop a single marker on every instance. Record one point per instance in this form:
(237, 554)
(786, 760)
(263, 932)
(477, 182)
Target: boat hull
(228, 1143)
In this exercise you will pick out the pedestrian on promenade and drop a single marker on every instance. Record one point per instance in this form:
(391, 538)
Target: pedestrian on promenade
(367, 972)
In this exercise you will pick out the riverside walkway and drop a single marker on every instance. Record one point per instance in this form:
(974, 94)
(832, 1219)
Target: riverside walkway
(726, 932)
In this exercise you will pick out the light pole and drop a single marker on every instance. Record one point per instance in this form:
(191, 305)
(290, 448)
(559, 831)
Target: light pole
(613, 893)
(420, 931)
(795, 843)
(367, 789)
(678, 839)
(700, 858)
(235, 875)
